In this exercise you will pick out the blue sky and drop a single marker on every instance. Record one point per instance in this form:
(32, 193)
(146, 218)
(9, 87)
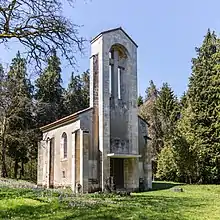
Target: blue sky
(166, 32)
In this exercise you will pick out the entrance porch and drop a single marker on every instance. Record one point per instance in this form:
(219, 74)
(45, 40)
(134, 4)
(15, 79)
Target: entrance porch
(124, 171)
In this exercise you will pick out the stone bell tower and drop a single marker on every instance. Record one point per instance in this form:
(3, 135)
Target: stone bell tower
(113, 96)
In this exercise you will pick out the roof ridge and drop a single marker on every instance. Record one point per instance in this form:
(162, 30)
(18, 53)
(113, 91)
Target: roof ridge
(110, 30)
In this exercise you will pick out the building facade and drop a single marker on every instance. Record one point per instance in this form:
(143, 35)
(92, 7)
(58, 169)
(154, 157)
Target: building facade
(108, 140)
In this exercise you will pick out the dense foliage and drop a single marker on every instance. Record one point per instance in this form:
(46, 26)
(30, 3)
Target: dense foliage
(25, 107)
(186, 133)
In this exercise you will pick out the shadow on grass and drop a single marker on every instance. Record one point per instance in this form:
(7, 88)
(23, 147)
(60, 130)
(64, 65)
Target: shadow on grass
(134, 207)
(142, 207)
(14, 193)
(164, 185)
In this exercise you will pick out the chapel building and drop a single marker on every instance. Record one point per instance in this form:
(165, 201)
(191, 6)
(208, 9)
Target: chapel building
(109, 139)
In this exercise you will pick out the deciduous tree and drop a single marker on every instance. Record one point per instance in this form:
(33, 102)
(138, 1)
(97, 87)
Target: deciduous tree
(39, 25)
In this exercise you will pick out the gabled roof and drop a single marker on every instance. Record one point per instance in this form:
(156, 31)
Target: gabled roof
(65, 120)
(111, 30)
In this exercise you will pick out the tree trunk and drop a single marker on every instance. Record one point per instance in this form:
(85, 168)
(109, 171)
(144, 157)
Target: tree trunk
(22, 170)
(16, 169)
(4, 169)
(3, 158)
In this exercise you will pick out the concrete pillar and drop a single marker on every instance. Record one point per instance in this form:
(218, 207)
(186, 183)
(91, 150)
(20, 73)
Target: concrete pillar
(126, 173)
(48, 164)
(83, 163)
(73, 161)
(136, 173)
(105, 170)
(132, 173)
(147, 166)
(81, 157)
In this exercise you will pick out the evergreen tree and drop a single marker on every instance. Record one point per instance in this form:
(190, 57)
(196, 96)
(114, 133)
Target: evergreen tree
(85, 88)
(77, 95)
(166, 165)
(203, 101)
(140, 101)
(21, 125)
(185, 155)
(3, 120)
(168, 110)
(17, 136)
(49, 92)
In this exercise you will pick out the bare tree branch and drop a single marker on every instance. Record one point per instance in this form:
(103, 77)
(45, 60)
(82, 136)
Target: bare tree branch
(40, 26)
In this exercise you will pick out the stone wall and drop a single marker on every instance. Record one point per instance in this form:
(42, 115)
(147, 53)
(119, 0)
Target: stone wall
(60, 164)
(145, 164)
(131, 173)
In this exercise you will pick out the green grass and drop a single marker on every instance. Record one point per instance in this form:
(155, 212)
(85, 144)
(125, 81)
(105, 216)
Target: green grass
(195, 202)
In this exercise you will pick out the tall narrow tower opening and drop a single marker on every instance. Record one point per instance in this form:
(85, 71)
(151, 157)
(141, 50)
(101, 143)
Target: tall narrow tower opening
(117, 63)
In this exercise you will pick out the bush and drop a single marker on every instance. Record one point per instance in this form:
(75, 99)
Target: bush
(167, 169)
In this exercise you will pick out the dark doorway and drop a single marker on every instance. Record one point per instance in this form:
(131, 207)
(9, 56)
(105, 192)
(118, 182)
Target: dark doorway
(117, 171)
(51, 164)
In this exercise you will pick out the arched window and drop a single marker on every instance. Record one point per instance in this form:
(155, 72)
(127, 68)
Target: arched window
(117, 59)
(64, 145)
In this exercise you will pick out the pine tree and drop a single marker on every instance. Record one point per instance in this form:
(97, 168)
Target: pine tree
(203, 101)
(16, 115)
(49, 92)
(140, 101)
(166, 164)
(168, 110)
(182, 143)
(77, 94)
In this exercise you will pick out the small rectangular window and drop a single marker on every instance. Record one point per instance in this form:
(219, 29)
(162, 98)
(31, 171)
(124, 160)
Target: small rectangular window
(64, 174)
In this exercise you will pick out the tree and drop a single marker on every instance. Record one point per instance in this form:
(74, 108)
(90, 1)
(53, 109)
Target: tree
(168, 110)
(161, 110)
(166, 168)
(17, 126)
(151, 91)
(49, 92)
(150, 113)
(39, 26)
(203, 104)
(21, 125)
(140, 101)
(182, 142)
(4, 104)
(85, 89)
(77, 94)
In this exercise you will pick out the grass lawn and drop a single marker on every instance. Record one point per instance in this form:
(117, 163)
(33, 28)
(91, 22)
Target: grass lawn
(195, 202)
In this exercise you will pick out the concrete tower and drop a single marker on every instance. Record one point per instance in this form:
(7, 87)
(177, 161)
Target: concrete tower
(113, 96)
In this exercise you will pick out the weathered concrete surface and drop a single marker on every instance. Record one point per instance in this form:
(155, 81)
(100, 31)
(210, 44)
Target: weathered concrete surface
(110, 126)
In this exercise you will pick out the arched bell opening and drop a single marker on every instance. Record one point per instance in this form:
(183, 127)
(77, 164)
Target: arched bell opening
(118, 58)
